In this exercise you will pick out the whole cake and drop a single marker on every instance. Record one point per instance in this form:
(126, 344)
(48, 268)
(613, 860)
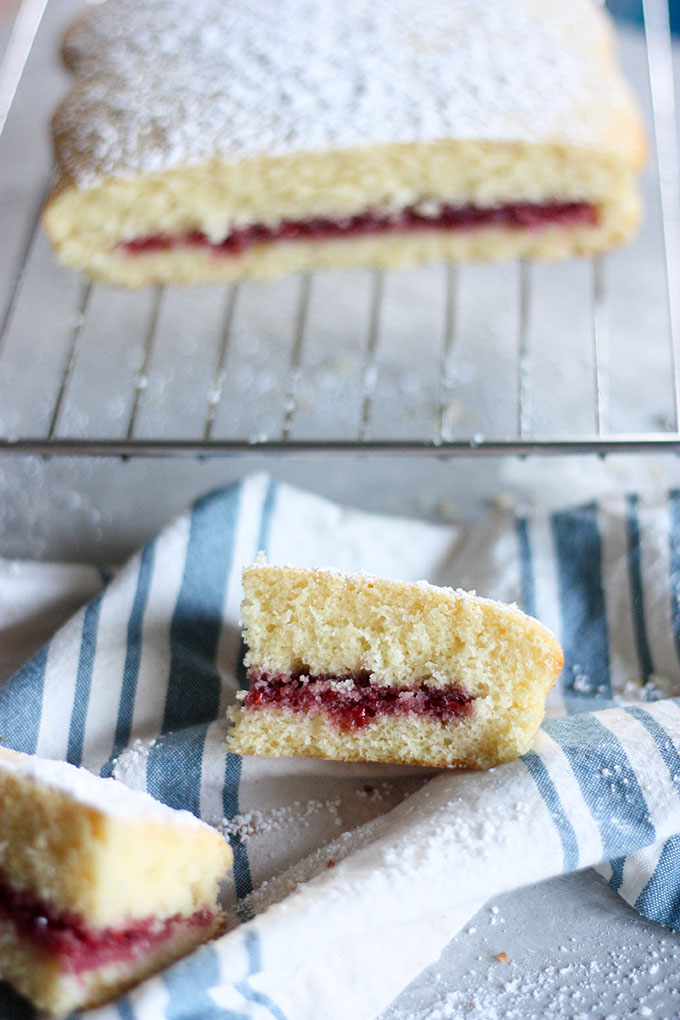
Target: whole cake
(100, 885)
(217, 140)
(354, 667)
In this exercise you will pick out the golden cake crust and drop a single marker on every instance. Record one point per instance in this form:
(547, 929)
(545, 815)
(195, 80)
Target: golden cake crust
(322, 623)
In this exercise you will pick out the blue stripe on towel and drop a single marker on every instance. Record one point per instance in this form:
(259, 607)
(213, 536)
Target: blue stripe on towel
(175, 762)
(253, 952)
(636, 588)
(233, 765)
(665, 745)
(189, 983)
(608, 782)
(660, 899)
(616, 877)
(526, 567)
(548, 792)
(674, 557)
(125, 1008)
(254, 967)
(174, 767)
(133, 654)
(21, 704)
(260, 999)
(267, 513)
(586, 674)
(81, 698)
(243, 882)
(197, 620)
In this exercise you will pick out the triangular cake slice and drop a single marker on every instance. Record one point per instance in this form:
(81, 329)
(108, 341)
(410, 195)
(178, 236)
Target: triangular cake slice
(219, 140)
(355, 667)
(100, 885)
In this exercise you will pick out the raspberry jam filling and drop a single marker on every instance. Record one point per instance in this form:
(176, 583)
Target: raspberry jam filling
(77, 946)
(352, 702)
(510, 216)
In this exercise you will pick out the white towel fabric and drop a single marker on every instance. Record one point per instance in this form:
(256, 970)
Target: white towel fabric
(350, 878)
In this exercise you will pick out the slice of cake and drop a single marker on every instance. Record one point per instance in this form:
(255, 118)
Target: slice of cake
(216, 140)
(100, 885)
(355, 667)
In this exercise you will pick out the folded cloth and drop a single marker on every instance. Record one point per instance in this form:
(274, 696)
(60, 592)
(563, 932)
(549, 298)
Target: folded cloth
(349, 878)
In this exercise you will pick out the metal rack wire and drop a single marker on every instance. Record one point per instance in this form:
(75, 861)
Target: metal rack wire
(419, 394)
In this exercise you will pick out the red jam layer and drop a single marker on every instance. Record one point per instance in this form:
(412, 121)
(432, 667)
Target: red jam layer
(352, 702)
(78, 947)
(512, 216)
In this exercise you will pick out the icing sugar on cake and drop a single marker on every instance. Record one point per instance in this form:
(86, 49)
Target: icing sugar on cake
(107, 796)
(169, 82)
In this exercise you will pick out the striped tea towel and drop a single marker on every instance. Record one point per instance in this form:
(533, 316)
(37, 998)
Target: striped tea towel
(349, 878)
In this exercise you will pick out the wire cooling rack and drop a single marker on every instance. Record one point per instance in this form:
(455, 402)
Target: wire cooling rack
(478, 360)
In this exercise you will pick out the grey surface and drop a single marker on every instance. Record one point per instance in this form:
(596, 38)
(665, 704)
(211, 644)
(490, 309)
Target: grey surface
(575, 949)
(575, 952)
(99, 511)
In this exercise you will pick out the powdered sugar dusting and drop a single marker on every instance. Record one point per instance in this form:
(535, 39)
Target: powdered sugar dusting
(130, 765)
(389, 584)
(167, 83)
(245, 826)
(563, 991)
(107, 796)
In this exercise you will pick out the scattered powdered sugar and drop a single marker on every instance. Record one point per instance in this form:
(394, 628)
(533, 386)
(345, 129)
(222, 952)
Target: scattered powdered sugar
(555, 991)
(582, 683)
(658, 687)
(320, 860)
(376, 792)
(388, 584)
(265, 823)
(108, 796)
(566, 949)
(167, 83)
(130, 765)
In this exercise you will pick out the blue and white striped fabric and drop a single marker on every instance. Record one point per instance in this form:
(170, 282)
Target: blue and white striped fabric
(333, 861)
